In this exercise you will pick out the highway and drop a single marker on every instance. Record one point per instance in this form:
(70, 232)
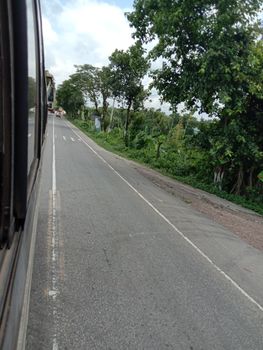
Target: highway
(122, 264)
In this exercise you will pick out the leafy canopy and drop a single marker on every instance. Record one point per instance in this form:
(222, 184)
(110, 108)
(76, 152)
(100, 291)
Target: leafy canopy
(205, 46)
(69, 96)
(127, 71)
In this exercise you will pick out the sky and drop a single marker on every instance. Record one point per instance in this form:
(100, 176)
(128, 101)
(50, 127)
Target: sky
(86, 31)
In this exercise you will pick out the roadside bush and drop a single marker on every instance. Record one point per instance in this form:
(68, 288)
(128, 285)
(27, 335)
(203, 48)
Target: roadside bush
(142, 140)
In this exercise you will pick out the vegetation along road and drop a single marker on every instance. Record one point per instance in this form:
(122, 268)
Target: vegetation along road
(121, 263)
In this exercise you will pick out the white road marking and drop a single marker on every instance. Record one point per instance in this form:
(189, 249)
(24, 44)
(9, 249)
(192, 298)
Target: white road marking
(72, 139)
(29, 135)
(54, 284)
(64, 138)
(195, 247)
(131, 235)
(79, 139)
(52, 293)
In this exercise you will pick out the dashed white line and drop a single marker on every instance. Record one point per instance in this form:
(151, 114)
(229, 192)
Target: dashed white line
(72, 139)
(195, 247)
(64, 138)
(29, 135)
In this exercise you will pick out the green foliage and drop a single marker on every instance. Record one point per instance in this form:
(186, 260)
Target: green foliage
(94, 84)
(206, 47)
(213, 61)
(127, 71)
(69, 97)
(86, 79)
(142, 140)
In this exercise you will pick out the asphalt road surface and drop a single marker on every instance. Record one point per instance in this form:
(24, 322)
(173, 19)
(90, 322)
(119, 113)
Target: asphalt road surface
(122, 264)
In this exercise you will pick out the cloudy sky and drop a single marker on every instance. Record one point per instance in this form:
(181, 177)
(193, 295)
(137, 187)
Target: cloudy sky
(85, 31)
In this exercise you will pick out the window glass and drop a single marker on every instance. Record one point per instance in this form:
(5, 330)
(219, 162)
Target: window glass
(32, 82)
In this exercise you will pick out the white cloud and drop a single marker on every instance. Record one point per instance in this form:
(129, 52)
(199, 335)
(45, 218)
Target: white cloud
(83, 32)
(154, 102)
(50, 36)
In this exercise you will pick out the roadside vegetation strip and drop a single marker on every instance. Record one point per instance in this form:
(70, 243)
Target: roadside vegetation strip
(110, 142)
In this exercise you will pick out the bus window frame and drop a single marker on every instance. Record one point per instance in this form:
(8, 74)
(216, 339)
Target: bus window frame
(7, 158)
(41, 86)
(20, 77)
(16, 181)
(35, 162)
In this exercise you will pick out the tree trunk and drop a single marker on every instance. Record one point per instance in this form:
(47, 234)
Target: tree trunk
(111, 115)
(97, 109)
(104, 112)
(96, 106)
(240, 179)
(250, 178)
(218, 176)
(159, 144)
(127, 121)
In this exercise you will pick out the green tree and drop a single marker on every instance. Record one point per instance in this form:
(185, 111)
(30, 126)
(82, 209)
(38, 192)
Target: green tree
(104, 75)
(87, 80)
(69, 96)
(205, 46)
(127, 71)
(94, 84)
(212, 61)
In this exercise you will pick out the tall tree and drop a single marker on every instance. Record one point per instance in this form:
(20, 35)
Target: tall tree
(105, 91)
(69, 96)
(87, 79)
(94, 84)
(210, 58)
(205, 46)
(127, 71)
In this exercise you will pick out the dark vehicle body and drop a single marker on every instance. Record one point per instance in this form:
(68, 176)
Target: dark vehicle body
(23, 115)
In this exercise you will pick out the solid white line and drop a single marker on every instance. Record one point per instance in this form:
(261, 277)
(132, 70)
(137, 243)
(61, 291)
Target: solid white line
(64, 138)
(54, 181)
(72, 139)
(235, 284)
